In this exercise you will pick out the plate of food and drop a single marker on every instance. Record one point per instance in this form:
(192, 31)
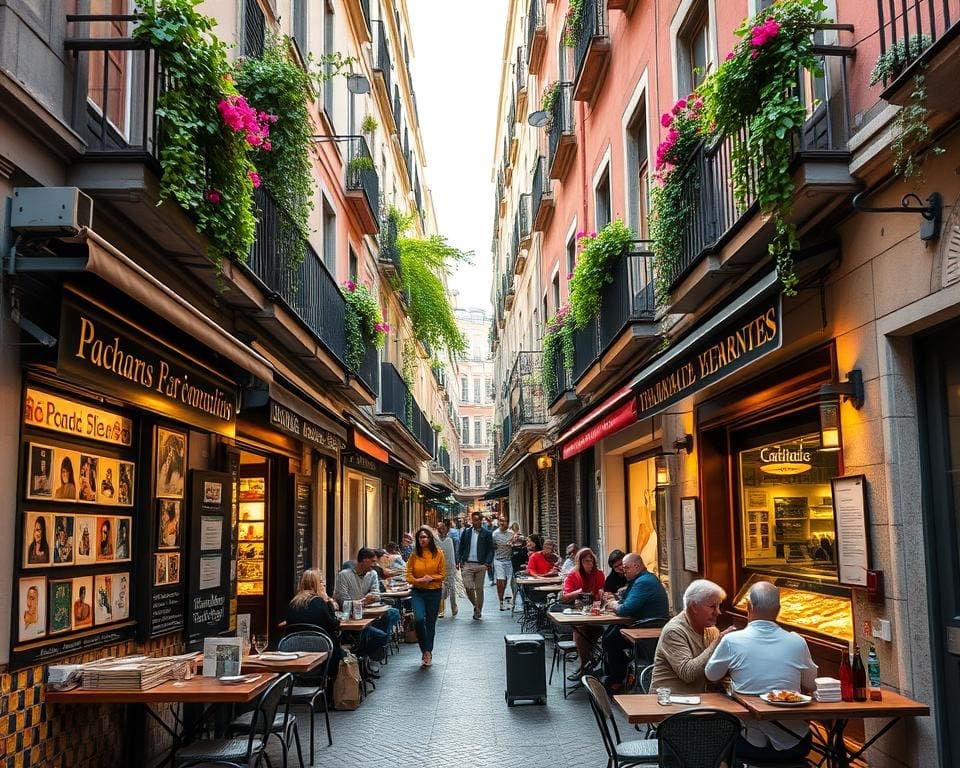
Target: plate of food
(781, 698)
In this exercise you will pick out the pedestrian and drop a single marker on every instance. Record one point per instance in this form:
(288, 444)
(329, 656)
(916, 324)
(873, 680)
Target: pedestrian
(450, 560)
(569, 564)
(502, 563)
(426, 572)
(453, 531)
(476, 559)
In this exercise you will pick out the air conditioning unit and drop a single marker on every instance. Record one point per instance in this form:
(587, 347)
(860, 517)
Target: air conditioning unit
(60, 211)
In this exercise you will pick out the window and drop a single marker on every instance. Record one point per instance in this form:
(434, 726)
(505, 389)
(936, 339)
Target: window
(571, 254)
(254, 25)
(465, 430)
(693, 47)
(330, 239)
(464, 390)
(300, 26)
(556, 292)
(602, 199)
(477, 436)
(488, 386)
(639, 172)
(489, 425)
(477, 393)
(328, 53)
(109, 98)
(478, 473)
(354, 265)
(466, 473)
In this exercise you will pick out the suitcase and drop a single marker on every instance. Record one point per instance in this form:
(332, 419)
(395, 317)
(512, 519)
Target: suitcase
(526, 669)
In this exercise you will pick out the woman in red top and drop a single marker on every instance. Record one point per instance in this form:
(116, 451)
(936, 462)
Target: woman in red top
(588, 580)
(542, 562)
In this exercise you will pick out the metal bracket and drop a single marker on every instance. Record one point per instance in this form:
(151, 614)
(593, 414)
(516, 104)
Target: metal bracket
(932, 212)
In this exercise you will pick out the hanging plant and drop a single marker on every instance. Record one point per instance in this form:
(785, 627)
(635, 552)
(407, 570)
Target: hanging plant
(363, 322)
(369, 124)
(557, 346)
(572, 22)
(210, 133)
(756, 88)
(599, 252)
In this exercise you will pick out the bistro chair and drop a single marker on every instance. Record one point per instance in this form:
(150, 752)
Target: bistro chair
(564, 649)
(284, 728)
(311, 689)
(643, 650)
(619, 753)
(698, 738)
(241, 752)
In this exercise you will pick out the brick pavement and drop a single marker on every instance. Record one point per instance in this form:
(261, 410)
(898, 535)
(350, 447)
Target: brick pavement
(454, 713)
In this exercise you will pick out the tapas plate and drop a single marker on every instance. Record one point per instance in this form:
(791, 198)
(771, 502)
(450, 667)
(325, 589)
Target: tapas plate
(786, 698)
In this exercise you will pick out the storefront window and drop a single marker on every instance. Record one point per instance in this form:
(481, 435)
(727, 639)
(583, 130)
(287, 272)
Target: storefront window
(645, 510)
(787, 521)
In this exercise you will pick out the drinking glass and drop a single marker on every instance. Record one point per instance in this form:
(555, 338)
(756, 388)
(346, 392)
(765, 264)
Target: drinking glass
(259, 643)
(663, 696)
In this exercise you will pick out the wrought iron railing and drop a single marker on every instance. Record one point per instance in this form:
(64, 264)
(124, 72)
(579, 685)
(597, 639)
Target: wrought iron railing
(525, 394)
(254, 28)
(541, 184)
(389, 251)
(443, 458)
(369, 370)
(511, 121)
(561, 117)
(397, 400)
(396, 108)
(715, 212)
(911, 28)
(630, 298)
(536, 18)
(381, 54)
(362, 173)
(562, 379)
(520, 69)
(593, 23)
(586, 347)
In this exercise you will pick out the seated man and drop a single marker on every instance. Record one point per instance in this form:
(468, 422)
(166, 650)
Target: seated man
(568, 564)
(391, 561)
(689, 639)
(759, 659)
(615, 580)
(645, 598)
(362, 584)
(541, 561)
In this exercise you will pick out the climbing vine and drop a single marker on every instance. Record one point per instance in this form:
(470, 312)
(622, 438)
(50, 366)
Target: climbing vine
(363, 322)
(557, 347)
(599, 252)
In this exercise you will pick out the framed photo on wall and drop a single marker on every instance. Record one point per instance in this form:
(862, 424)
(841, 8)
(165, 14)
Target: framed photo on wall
(125, 484)
(121, 547)
(67, 470)
(61, 605)
(63, 539)
(171, 463)
(42, 471)
(89, 478)
(82, 602)
(32, 608)
(105, 539)
(37, 539)
(85, 534)
(109, 479)
(168, 531)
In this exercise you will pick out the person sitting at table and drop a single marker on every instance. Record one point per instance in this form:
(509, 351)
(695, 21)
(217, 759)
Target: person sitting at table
(391, 561)
(312, 605)
(585, 580)
(542, 560)
(406, 546)
(569, 564)
(689, 639)
(760, 658)
(361, 583)
(615, 580)
(644, 598)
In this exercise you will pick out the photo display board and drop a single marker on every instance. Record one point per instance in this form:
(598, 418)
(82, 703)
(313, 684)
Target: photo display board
(209, 588)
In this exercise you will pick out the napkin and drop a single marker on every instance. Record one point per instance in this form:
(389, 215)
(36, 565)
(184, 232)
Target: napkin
(827, 683)
(281, 655)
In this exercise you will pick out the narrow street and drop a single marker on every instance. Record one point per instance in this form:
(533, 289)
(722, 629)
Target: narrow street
(454, 713)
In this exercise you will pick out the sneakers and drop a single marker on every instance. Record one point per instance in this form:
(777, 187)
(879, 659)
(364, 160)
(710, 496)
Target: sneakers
(501, 607)
(455, 611)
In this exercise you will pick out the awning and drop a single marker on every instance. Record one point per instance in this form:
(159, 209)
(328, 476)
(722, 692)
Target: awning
(367, 442)
(497, 492)
(609, 424)
(613, 401)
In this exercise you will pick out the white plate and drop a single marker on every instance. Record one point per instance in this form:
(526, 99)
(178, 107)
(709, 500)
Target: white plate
(804, 700)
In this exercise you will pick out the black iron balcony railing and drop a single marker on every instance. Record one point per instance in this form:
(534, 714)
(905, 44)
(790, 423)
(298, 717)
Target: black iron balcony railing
(593, 24)
(561, 117)
(397, 400)
(630, 298)
(389, 251)
(362, 173)
(586, 347)
(288, 266)
(714, 211)
(910, 30)
(525, 394)
(524, 216)
(536, 18)
(381, 55)
(541, 184)
(512, 120)
(396, 108)
(254, 29)
(369, 371)
(562, 379)
(443, 458)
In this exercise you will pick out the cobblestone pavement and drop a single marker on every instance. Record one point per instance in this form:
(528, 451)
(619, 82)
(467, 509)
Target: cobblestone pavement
(454, 713)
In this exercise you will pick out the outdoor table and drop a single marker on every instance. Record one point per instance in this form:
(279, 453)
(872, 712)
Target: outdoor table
(299, 666)
(528, 581)
(207, 691)
(356, 625)
(548, 588)
(836, 715)
(577, 621)
(397, 594)
(643, 707)
(376, 611)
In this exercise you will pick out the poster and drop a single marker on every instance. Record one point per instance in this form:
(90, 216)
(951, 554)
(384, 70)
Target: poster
(171, 461)
(61, 605)
(105, 539)
(211, 532)
(89, 477)
(125, 486)
(103, 599)
(37, 534)
(85, 532)
(40, 475)
(850, 516)
(32, 613)
(109, 479)
(690, 534)
(121, 548)
(65, 482)
(82, 602)
(210, 571)
(63, 539)
(168, 536)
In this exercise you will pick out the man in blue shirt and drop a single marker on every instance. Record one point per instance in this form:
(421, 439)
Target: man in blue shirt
(645, 598)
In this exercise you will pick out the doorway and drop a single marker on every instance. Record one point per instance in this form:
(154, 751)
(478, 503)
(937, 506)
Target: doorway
(361, 514)
(253, 534)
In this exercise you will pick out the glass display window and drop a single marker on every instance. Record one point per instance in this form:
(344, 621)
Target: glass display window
(646, 516)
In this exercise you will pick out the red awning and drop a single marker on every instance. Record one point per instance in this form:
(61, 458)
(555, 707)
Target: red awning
(613, 422)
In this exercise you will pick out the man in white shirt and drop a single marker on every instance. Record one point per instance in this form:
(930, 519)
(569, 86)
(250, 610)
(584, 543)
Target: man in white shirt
(760, 658)
(568, 564)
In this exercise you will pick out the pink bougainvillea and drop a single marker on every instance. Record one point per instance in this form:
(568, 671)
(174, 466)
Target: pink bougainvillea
(240, 117)
(213, 196)
(255, 179)
(763, 33)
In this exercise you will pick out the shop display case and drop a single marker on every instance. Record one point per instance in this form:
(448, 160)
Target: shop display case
(250, 549)
(808, 606)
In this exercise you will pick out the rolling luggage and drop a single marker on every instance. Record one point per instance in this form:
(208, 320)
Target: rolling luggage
(526, 669)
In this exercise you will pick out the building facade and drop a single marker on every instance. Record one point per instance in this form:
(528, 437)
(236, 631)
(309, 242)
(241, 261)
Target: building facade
(730, 429)
(185, 435)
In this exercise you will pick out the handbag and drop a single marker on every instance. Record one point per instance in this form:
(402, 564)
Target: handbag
(346, 688)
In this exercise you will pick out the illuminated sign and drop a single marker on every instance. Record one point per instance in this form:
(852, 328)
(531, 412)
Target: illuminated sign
(783, 461)
(58, 414)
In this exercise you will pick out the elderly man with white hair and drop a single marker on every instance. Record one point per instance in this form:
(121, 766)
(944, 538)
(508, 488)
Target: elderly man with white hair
(761, 658)
(689, 639)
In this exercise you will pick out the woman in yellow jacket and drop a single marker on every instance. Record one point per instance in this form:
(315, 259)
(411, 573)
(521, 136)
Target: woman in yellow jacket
(426, 571)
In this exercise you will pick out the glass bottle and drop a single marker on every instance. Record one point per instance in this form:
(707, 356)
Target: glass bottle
(873, 672)
(859, 676)
(846, 676)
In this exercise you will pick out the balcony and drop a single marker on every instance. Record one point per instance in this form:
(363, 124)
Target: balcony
(359, 13)
(542, 199)
(562, 397)
(399, 410)
(508, 292)
(389, 252)
(562, 141)
(933, 29)
(591, 51)
(363, 186)
(506, 164)
(514, 142)
(722, 238)
(522, 234)
(525, 400)
(382, 65)
(536, 36)
(520, 74)
(395, 109)
(443, 459)
(625, 329)
(501, 197)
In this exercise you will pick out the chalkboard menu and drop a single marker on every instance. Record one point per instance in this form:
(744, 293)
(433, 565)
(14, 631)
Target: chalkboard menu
(302, 549)
(208, 593)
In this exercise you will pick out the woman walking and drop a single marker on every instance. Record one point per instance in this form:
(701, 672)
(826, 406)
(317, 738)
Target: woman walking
(426, 570)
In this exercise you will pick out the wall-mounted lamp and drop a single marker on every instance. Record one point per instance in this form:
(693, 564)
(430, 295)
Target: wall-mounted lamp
(850, 390)
(538, 119)
(544, 462)
(662, 468)
(684, 444)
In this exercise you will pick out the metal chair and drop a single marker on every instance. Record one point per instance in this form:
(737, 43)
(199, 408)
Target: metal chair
(698, 738)
(563, 649)
(619, 753)
(284, 728)
(645, 678)
(311, 689)
(244, 752)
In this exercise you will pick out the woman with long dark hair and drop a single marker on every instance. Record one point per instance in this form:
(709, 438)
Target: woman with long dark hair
(426, 570)
(39, 551)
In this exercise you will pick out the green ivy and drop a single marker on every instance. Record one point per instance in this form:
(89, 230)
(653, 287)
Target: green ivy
(599, 252)
(206, 167)
(363, 322)
(573, 22)
(557, 341)
(891, 62)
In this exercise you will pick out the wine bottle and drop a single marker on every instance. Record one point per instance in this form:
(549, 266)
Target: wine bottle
(859, 676)
(873, 672)
(846, 676)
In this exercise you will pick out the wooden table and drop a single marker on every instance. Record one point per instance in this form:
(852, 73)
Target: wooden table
(836, 715)
(530, 581)
(397, 594)
(643, 707)
(641, 633)
(356, 625)
(578, 619)
(299, 666)
(548, 588)
(376, 611)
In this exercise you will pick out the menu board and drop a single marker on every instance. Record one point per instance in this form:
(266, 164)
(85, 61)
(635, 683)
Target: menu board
(853, 544)
(302, 549)
(208, 592)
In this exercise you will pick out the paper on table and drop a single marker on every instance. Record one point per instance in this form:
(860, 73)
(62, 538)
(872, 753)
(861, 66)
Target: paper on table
(684, 699)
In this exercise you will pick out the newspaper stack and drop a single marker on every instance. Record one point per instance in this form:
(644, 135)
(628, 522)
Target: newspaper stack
(131, 672)
(828, 689)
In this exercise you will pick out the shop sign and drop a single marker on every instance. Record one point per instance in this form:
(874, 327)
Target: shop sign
(624, 416)
(784, 461)
(296, 425)
(736, 342)
(41, 409)
(113, 356)
(359, 461)
(302, 549)
(209, 587)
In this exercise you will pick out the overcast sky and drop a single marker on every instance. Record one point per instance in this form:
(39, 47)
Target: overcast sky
(458, 49)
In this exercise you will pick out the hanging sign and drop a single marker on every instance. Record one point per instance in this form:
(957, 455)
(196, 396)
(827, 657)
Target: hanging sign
(69, 417)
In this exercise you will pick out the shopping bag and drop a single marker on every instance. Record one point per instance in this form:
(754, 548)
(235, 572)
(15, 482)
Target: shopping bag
(409, 628)
(346, 688)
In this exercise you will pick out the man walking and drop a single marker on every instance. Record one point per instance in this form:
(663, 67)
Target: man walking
(476, 558)
(450, 560)
(502, 557)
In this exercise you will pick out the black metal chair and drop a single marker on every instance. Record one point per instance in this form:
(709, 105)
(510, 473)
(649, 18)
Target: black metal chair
(241, 752)
(698, 738)
(564, 648)
(284, 728)
(643, 650)
(619, 753)
(311, 689)
(645, 678)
